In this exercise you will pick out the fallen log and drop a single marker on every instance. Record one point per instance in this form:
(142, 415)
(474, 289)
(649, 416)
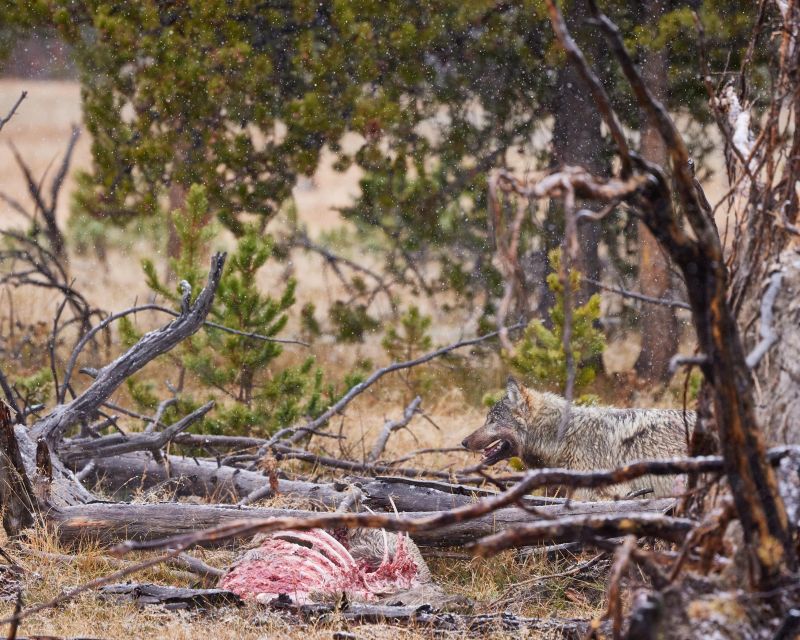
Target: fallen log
(181, 476)
(203, 477)
(107, 523)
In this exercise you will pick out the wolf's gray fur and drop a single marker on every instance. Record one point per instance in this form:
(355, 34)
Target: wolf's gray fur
(528, 421)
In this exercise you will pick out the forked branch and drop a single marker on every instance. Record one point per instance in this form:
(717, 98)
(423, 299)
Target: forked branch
(150, 346)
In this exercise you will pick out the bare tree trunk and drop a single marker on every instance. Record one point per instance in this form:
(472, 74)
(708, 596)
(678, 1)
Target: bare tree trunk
(577, 140)
(658, 324)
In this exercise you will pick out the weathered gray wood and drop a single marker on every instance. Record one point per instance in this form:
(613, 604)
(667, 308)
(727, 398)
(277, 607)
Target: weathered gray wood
(427, 617)
(130, 472)
(78, 450)
(151, 345)
(386, 493)
(779, 372)
(107, 523)
(171, 597)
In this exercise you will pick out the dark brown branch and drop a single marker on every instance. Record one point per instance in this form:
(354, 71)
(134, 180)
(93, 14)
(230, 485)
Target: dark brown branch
(665, 302)
(19, 417)
(16, 492)
(585, 528)
(13, 110)
(151, 345)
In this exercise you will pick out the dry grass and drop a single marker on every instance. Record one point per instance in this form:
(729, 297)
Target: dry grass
(499, 584)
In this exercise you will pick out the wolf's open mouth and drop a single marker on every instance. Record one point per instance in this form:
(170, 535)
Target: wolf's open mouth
(497, 451)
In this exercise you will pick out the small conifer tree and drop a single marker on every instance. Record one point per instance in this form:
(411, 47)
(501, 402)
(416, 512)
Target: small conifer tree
(254, 395)
(540, 355)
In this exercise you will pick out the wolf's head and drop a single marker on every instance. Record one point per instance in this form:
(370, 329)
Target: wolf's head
(503, 434)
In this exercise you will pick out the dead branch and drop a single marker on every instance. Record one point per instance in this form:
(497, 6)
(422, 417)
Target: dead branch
(390, 426)
(585, 528)
(162, 407)
(300, 239)
(152, 307)
(43, 268)
(532, 480)
(19, 417)
(16, 492)
(289, 453)
(196, 565)
(298, 432)
(665, 302)
(108, 446)
(151, 345)
(186, 476)
(427, 618)
(768, 334)
(622, 558)
(677, 361)
(47, 209)
(13, 109)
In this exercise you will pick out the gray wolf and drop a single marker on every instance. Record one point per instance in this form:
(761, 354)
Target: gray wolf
(525, 423)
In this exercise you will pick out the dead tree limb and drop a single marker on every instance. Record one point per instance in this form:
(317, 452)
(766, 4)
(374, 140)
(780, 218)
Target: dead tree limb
(390, 426)
(584, 528)
(635, 295)
(424, 617)
(768, 335)
(298, 432)
(184, 476)
(80, 449)
(532, 480)
(152, 307)
(151, 345)
(13, 109)
(47, 209)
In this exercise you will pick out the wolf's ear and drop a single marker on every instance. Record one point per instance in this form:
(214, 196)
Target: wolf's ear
(513, 391)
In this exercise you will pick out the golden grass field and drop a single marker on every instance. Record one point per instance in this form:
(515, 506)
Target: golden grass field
(40, 131)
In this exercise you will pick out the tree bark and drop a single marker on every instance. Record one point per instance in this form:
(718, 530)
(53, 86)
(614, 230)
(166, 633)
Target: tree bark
(577, 141)
(658, 324)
